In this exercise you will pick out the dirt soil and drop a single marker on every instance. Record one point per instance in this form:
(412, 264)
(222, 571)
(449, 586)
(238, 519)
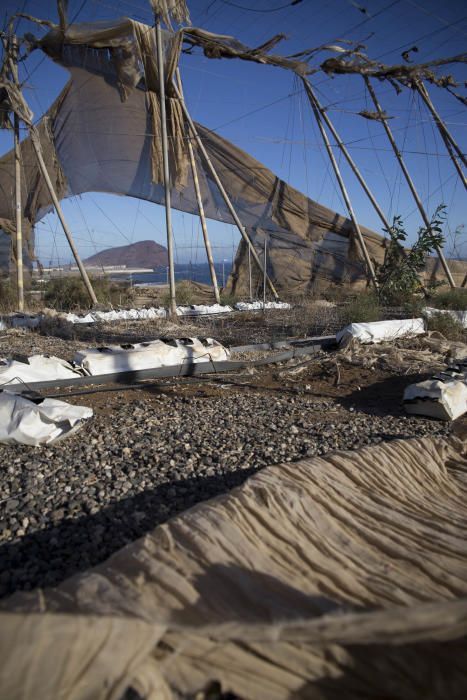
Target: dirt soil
(155, 449)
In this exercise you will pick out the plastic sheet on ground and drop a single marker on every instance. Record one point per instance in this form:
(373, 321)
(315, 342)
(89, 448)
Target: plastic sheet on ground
(337, 577)
(122, 315)
(259, 305)
(459, 316)
(380, 331)
(147, 314)
(36, 368)
(203, 309)
(156, 353)
(29, 423)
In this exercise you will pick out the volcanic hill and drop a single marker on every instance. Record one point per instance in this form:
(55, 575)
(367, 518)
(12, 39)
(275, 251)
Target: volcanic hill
(142, 254)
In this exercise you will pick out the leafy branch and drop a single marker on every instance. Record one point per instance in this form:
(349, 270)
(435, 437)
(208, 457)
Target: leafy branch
(400, 275)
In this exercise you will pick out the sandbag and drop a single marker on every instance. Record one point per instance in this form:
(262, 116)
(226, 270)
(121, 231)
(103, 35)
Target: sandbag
(380, 331)
(149, 355)
(36, 368)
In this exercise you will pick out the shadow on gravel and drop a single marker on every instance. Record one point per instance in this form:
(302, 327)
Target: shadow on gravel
(46, 557)
(383, 398)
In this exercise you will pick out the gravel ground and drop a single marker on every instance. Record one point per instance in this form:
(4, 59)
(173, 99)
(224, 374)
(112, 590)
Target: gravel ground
(148, 455)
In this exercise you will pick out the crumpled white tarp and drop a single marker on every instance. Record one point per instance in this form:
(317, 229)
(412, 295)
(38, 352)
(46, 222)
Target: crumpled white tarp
(259, 305)
(459, 316)
(25, 422)
(150, 355)
(38, 368)
(437, 399)
(380, 331)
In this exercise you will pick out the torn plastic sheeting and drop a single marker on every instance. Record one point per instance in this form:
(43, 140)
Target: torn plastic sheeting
(459, 316)
(380, 331)
(157, 353)
(437, 399)
(28, 423)
(259, 305)
(37, 368)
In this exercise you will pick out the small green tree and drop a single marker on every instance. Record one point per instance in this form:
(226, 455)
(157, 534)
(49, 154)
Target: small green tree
(399, 277)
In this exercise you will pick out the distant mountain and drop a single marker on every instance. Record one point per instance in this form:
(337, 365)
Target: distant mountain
(147, 254)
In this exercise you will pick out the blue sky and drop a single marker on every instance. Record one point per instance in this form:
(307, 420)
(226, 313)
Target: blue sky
(263, 110)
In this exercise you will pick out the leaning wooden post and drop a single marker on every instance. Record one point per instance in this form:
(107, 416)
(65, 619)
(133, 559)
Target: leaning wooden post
(249, 274)
(199, 199)
(222, 190)
(165, 159)
(42, 167)
(343, 189)
(18, 204)
(407, 176)
(346, 154)
(446, 135)
(36, 144)
(19, 218)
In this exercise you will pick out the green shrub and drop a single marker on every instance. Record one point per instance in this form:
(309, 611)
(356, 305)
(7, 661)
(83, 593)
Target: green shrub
(69, 293)
(447, 326)
(363, 308)
(450, 299)
(400, 275)
(228, 299)
(183, 294)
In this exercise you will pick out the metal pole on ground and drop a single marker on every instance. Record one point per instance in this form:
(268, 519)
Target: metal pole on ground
(18, 205)
(165, 158)
(265, 265)
(446, 135)
(199, 199)
(369, 264)
(222, 190)
(409, 180)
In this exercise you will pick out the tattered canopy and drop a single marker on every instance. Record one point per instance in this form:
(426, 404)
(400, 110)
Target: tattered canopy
(103, 134)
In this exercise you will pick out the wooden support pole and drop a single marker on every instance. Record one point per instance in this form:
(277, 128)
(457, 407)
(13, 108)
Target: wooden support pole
(199, 199)
(249, 274)
(366, 257)
(446, 135)
(18, 204)
(19, 218)
(36, 144)
(42, 167)
(311, 93)
(222, 190)
(407, 176)
(165, 158)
